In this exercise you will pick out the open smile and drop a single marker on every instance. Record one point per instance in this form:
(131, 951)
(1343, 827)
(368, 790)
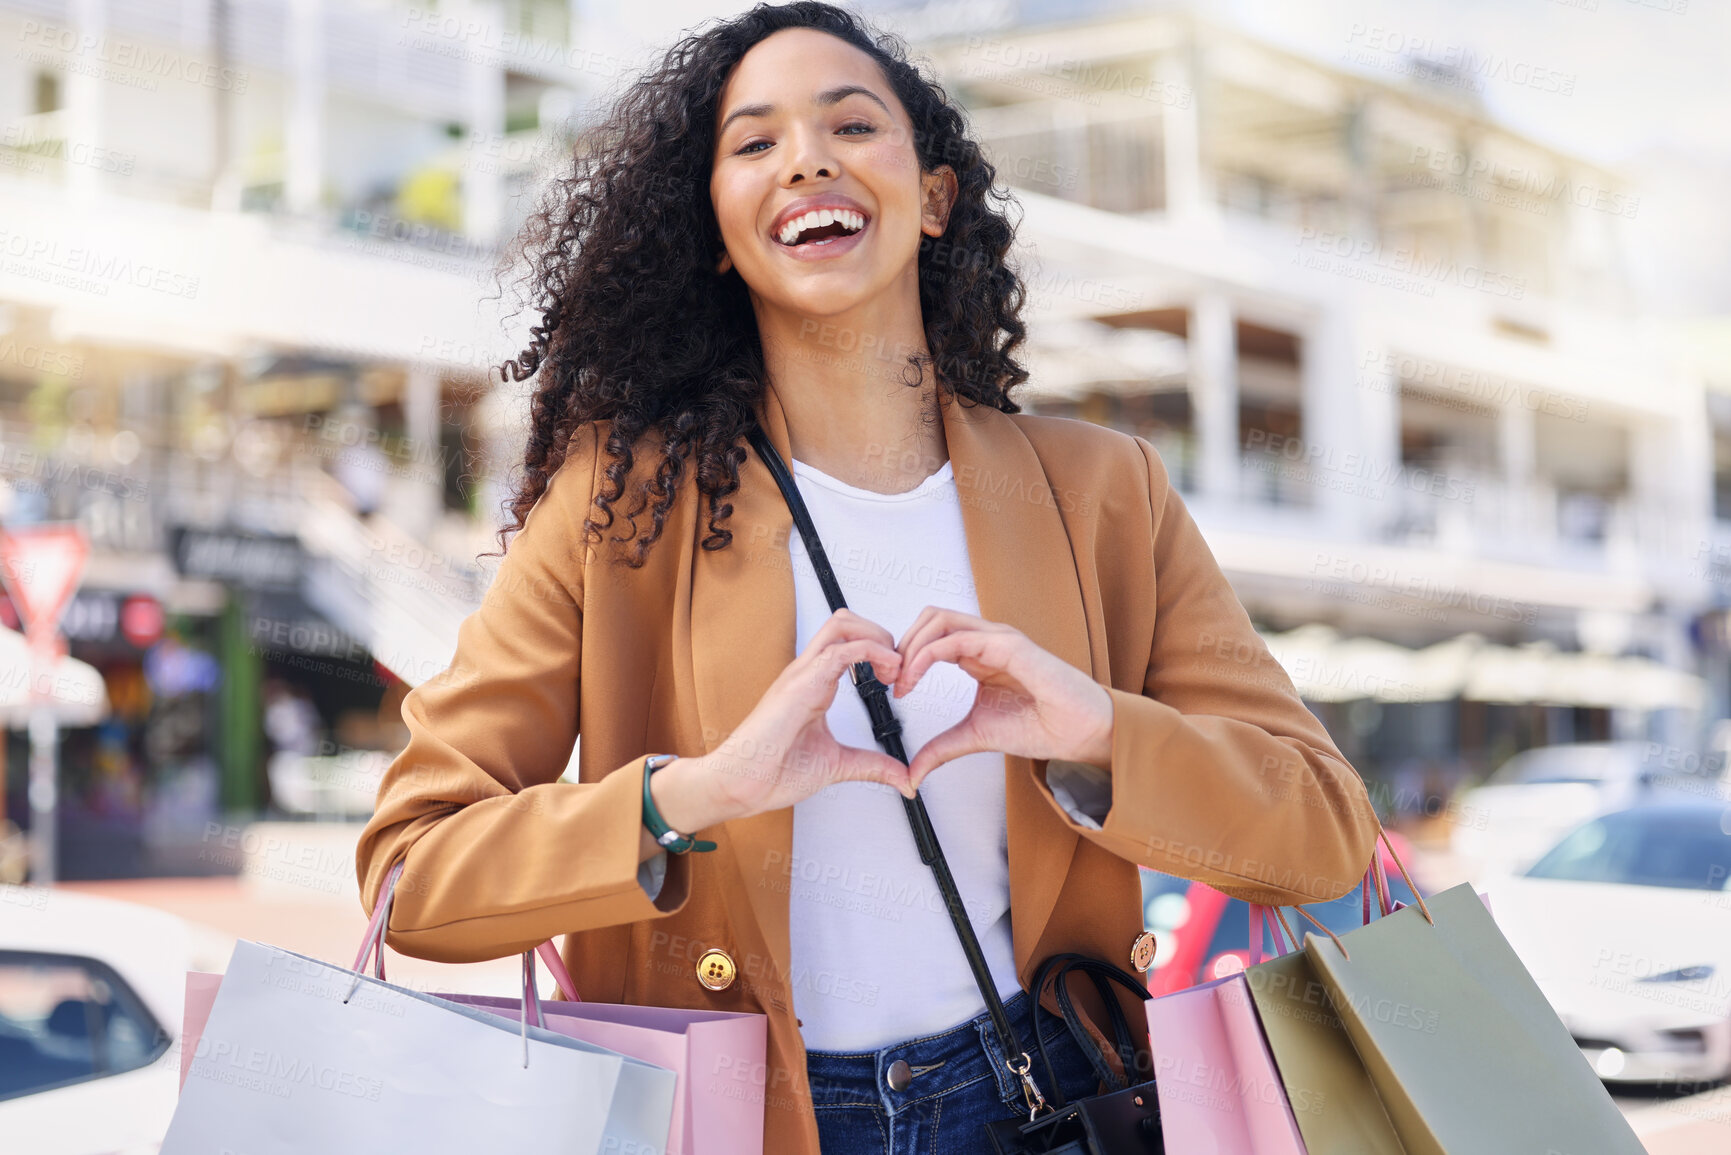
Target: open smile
(819, 231)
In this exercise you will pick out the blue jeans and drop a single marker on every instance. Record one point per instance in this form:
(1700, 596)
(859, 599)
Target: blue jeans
(960, 1084)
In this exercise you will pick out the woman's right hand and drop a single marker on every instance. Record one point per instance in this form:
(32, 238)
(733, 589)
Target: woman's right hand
(783, 751)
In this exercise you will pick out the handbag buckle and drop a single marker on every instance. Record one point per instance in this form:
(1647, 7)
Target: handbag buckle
(1030, 1090)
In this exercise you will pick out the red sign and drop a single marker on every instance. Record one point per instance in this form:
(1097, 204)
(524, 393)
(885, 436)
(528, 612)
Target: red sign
(141, 620)
(42, 566)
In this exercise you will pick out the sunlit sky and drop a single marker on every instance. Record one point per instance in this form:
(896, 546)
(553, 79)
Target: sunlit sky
(1649, 81)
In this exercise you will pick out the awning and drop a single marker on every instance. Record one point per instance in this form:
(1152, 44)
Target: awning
(1329, 668)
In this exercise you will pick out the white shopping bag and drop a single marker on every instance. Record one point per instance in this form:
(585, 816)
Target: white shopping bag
(302, 1056)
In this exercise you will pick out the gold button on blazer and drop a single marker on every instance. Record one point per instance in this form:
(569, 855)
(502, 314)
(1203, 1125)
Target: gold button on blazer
(1219, 772)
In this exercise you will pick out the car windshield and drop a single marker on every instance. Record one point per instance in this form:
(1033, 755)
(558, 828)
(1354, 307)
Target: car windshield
(1551, 764)
(1687, 848)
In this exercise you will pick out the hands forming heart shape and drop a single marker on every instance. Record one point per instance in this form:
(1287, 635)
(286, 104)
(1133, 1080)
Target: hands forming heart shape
(1030, 703)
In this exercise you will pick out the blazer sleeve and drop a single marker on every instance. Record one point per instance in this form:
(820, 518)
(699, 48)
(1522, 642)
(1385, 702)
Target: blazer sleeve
(1219, 772)
(499, 855)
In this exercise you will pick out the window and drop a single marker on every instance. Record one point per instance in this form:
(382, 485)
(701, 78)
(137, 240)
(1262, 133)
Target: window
(1565, 763)
(65, 1019)
(47, 94)
(1719, 421)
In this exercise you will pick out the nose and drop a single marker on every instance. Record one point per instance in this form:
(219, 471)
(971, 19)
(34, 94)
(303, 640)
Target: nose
(809, 158)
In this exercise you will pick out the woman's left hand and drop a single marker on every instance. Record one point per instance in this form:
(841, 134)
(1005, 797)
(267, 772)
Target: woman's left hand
(1030, 703)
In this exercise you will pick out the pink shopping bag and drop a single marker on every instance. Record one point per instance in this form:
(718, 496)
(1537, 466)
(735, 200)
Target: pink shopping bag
(716, 1056)
(1218, 1086)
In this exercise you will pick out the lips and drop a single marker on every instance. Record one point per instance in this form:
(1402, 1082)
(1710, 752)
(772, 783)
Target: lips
(818, 222)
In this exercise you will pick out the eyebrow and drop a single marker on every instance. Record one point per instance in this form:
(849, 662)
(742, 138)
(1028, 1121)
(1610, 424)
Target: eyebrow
(826, 98)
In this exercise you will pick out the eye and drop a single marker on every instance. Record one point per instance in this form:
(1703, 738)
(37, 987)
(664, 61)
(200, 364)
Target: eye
(863, 127)
(751, 147)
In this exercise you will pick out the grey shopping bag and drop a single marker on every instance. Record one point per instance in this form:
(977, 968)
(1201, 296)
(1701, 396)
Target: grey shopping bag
(300, 1056)
(1464, 1052)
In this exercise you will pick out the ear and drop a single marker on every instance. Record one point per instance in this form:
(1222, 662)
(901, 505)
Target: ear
(937, 197)
(724, 264)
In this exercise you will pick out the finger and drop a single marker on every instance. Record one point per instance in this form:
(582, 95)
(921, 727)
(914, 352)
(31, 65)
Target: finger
(857, 765)
(940, 624)
(935, 620)
(958, 740)
(925, 615)
(845, 625)
(985, 652)
(828, 664)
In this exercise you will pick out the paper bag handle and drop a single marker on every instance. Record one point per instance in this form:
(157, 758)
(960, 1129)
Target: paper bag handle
(1382, 880)
(373, 944)
(1258, 915)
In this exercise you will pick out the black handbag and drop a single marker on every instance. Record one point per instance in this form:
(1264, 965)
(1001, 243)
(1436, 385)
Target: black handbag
(1123, 1121)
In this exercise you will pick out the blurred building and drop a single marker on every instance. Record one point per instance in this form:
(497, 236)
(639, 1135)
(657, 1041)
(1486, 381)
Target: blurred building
(1388, 350)
(248, 310)
(251, 311)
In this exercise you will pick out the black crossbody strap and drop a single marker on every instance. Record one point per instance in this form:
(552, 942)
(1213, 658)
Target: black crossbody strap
(887, 730)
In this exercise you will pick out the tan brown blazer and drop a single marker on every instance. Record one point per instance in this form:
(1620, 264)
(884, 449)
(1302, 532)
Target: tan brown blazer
(1076, 537)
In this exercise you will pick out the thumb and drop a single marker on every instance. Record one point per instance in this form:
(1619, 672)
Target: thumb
(875, 766)
(947, 746)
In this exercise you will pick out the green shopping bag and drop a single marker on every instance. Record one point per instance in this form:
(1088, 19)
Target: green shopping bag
(1464, 1053)
(1333, 1099)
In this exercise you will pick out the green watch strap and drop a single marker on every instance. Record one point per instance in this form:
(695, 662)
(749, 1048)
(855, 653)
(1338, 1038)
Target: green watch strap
(665, 835)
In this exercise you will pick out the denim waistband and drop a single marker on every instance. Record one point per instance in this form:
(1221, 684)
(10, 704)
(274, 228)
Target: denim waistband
(940, 1063)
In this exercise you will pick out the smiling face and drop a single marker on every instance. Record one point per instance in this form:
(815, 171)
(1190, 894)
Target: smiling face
(815, 180)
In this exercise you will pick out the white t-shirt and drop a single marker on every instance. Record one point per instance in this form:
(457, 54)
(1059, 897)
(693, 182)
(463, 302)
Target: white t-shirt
(875, 957)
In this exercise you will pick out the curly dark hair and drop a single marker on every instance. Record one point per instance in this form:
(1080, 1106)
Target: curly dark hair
(628, 241)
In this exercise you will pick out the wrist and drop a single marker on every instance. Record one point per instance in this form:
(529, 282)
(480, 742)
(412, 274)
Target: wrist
(684, 795)
(1098, 750)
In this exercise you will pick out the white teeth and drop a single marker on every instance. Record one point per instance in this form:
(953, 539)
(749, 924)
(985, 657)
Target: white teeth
(817, 219)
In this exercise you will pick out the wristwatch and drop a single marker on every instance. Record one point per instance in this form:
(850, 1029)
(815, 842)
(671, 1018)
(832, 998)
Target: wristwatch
(665, 835)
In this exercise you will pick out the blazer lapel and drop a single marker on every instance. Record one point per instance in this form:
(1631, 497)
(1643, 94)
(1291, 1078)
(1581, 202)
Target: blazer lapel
(742, 637)
(1025, 576)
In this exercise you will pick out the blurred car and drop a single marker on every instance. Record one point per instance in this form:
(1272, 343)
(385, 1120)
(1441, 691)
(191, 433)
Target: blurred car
(91, 995)
(1626, 926)
(1200, 934)
(1537, 796)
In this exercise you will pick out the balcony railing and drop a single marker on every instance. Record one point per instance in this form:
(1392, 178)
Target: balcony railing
(1483, 514)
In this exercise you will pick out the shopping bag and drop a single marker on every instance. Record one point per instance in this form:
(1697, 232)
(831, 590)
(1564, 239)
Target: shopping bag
(201, 987)
(630, 1108)
(1334, 1102)
(717, 1058)
(299, 1055)
(1465, 1053)
(1218, 1088)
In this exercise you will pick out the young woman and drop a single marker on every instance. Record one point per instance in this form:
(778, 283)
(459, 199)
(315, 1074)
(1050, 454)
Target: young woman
(785, 224)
